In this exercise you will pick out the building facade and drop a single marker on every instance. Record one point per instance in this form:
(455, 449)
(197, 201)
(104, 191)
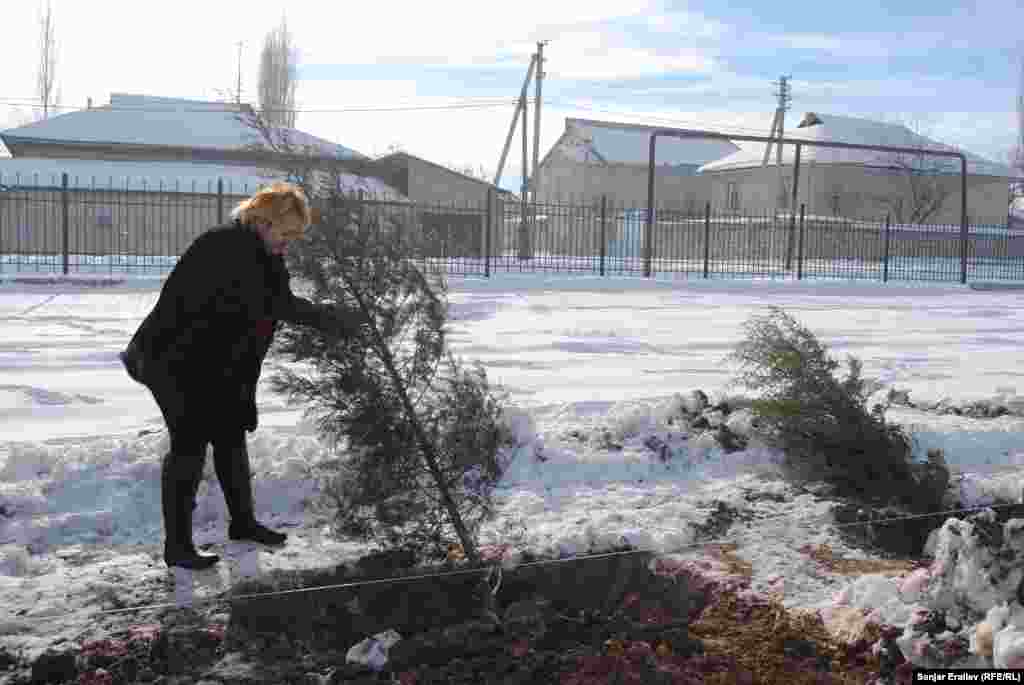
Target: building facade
(595, 159)
(142, 176)
(916, 188)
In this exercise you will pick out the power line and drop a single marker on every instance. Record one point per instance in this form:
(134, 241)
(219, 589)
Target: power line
(461, 104)
(739, 130)
(466, 105)
(204, 99)
(231, 108)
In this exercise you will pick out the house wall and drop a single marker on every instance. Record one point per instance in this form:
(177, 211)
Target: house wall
(142, 153)
(434, 185)
(872, 193)
(566, 181)
(756, 190)
(853, 191)
(106, 222)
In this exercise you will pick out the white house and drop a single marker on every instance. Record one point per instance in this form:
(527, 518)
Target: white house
(168, 169)
(592, 159)
(866, 184)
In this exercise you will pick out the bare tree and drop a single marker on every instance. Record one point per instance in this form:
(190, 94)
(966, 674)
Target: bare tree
(925, 183)
(49, 98)
(278, 75)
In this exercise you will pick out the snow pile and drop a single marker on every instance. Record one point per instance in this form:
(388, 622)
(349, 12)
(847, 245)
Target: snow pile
(976, 573)
(879, 598)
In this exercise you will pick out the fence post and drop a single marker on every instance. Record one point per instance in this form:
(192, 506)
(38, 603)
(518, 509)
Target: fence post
(487, 233)
(963, 219)
(885, 255)
(2, 209)
(64, 219)
(792, 213)
(647, 241)
(707, 236)
(399, 225)
(800, 246)
(220, 201)
(604, 230)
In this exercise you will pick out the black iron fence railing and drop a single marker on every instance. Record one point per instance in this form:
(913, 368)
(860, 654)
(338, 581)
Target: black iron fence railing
(75, 230)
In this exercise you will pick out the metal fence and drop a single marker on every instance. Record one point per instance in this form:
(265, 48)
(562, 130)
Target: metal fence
(75, 230)
(609, 240)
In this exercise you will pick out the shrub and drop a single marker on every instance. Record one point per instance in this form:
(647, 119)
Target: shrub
(421, 432)
(384, 491)
(821, 422)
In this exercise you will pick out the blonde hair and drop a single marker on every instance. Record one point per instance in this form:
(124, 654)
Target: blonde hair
(283, 205)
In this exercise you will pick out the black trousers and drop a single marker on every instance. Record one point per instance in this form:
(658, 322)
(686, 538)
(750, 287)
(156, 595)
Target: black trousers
(192, 427)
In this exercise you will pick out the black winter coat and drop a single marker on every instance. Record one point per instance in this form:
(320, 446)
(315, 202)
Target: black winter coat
(200, 350)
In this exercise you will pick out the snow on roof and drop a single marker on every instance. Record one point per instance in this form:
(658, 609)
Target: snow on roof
(183, 177)
(604, 141)
(149, 120)
(843, 129)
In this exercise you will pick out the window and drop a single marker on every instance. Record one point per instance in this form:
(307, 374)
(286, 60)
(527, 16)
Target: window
(104, 217)
(732, 195)
(835, 199)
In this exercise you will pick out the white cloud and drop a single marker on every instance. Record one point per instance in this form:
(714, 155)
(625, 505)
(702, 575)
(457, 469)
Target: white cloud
(462, 31)
(687, 25)
(188, 49)
(581, 60)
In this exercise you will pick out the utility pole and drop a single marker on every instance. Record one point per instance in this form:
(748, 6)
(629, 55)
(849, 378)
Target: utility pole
(534, 185)
(784, 96)
(1018, 160)
(238, 92)
(524, 229)
(515, 120)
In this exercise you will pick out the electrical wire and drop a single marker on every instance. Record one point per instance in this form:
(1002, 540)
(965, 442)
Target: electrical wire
(459, 104)
(738, 130)
(462, 104)
(231, 109)
(491, 568)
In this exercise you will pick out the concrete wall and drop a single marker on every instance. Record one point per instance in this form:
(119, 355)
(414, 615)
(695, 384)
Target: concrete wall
(856, 192)
(435, 185)
(165, 224)
(107, 222)
(848, 190)
(566, 181)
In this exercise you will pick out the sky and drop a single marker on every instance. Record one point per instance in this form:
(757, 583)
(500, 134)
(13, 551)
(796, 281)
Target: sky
(953, 67)
(81, 444)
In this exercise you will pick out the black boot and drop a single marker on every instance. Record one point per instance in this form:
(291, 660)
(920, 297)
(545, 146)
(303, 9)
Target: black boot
(179, 481)
(232, 466)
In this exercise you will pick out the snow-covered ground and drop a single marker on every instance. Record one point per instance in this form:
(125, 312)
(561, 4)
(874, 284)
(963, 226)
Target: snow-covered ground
(80, 443)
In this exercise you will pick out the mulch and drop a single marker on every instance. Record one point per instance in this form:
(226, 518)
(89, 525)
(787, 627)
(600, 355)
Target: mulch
(732, 637)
